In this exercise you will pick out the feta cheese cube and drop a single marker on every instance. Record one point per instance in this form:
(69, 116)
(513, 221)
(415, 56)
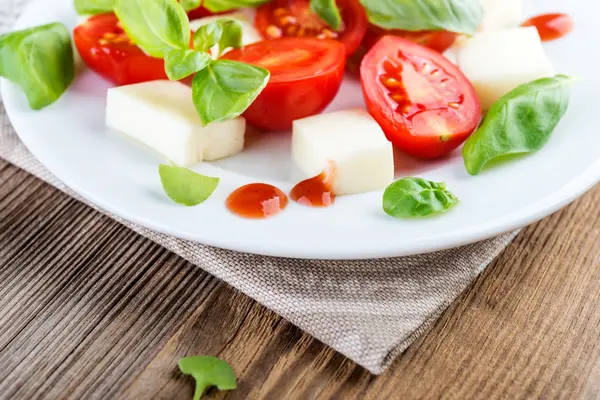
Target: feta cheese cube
(501, 14)
(161, 115)
(497, 62)
(351, 140)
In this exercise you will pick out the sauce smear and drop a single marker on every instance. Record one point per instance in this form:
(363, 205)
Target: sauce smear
(551, 26)
(316, 191)
(257, 201)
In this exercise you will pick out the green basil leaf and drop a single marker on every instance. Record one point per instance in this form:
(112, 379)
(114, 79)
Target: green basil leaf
(189, 5)
(328, 11)
(207, 36)
(226, 5)
(225, 89)
(92, 7)
(519, 122)
(208, 372)
(232, 35)
(417, 197)
(157, 26)
(461, 16)
(185, 186)
(40, 61)
(182, 63)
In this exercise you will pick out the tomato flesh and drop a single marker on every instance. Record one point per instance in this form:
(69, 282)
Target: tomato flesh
(306, 74)
(294, 18)
(423, 102)
(105, 48)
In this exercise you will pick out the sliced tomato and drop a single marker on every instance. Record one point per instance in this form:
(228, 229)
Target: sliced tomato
(306, 74)
(106, 49)
(437, 40)
(423, 102)
(294, 18)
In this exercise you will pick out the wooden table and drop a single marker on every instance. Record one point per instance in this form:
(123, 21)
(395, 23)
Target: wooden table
(89, 309)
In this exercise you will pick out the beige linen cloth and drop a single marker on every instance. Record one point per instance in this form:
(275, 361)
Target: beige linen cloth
(370, 311)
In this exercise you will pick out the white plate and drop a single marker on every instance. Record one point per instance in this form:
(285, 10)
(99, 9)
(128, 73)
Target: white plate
(69, 138)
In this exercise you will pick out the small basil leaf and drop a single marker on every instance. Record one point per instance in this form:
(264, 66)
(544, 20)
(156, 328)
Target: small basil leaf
(189, 5)
(208, 372)
(232, 35)
(157, 26)
(461, 16)
(328, 11)
(207, 36)
(225, 89)
(182, 63)
(520, 122)
(226, 5)
(92, 7)
(417, 197)
(40, 61)
(185, 186)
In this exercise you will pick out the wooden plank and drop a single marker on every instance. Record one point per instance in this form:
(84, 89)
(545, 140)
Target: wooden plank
(88, 309)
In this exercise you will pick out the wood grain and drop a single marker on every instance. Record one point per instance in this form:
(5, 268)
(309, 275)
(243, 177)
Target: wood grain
(89, 309)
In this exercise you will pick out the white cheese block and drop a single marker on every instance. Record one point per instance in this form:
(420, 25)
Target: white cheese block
(249, 33)
(501, 14)
(497, 62)
(161, 115)
(353, 141)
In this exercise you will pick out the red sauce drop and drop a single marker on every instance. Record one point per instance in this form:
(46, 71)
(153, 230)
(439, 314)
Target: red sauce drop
(316, 191)
(551, 26)
(257, 201)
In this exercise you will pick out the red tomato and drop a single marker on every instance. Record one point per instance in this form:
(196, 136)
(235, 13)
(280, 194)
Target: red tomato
(423, 102)
(437, 40)
(306, 74)
(294, 18)
(202, 12)
(106, 49)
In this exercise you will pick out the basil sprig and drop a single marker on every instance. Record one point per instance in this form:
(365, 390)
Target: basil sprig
(328, 11)
(461, 16)
(222, 90)
(225, 89)
(40, 61)
(417, 197)
(520, 122)
(92, 7)
(185, 186)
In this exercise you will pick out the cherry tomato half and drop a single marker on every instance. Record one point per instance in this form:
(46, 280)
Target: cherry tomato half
(295, 18)
(306, 74)
(106, 49)
(423, 102)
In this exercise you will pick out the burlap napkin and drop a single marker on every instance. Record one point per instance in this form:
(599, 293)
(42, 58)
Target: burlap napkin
(369, 311)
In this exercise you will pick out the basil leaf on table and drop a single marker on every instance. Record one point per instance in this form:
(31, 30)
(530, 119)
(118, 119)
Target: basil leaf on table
(189, 5)
(182, 63)
(226, 5)
(417, 197)
(40, 61)
(520, 122)
(185, 186)
(328, 11)
(157, 26)
(92, 7)
(225, 89)
(208, 372)
(460, 16)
